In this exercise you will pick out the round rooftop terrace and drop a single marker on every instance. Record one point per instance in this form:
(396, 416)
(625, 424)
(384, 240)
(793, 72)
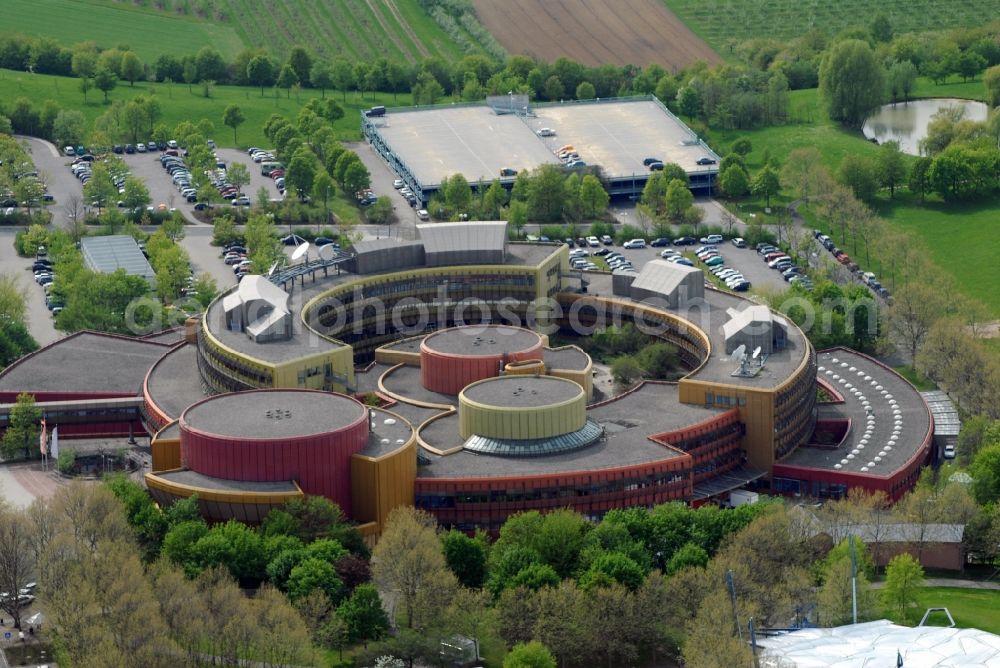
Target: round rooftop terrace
(273, 414)
(482, 340)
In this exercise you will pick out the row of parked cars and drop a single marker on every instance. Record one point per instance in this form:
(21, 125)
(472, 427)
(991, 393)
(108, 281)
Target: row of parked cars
(866, 277)
(405, 192)
(570, 158)
(25, 595)
(45, 276)
(780, 261)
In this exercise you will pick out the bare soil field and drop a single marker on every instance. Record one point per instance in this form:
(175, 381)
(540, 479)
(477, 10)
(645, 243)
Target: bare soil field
(594, 32)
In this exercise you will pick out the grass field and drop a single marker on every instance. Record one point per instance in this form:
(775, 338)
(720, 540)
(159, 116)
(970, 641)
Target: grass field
(720, 21)
(178, 104)
(359, 29)
(971, 608)
(113, 24)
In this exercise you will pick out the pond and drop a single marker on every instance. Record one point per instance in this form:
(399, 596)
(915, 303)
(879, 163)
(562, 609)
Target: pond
(907, 123)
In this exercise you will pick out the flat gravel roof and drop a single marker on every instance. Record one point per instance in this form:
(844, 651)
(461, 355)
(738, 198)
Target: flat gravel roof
(482, 340)
(629, 421)
(570, 358)
(890, 398)
(86, 363)
(271, 414)
(174, 383)
(187, 477)
(390, 433)
(522, 391)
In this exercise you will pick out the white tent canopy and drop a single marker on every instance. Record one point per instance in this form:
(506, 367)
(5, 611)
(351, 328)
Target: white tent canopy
(877, 643)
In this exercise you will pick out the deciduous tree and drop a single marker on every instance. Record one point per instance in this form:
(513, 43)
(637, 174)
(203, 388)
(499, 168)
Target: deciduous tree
(233, 117)
(903, 577)
(851, 81)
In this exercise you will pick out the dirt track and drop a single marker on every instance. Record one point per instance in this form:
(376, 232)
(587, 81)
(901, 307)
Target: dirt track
(594, 32)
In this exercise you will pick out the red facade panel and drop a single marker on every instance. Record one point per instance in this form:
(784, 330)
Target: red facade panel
(450, 374)
(320, 464)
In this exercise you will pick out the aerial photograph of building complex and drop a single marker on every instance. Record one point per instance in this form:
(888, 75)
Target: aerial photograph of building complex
(460, 333)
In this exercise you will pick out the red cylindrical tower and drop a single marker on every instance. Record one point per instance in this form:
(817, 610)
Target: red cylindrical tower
(277, 435)
(456, 357)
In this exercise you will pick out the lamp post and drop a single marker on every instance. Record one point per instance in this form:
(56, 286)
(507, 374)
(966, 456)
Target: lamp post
(510, 98)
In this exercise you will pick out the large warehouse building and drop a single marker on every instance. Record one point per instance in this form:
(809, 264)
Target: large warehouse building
(425, 145)
(434, 384)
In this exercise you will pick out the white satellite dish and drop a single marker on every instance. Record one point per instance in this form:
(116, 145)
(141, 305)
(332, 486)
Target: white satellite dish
(326, 252)
(300, 251)
(274, 267)
(756, 352)
(737, 354)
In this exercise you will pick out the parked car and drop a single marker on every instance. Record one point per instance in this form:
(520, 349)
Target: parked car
(635, 243)
(649, 161)
(712, 239)
(706, 161)
(546, 132)
(949, 452)
(739, 242)
(657, 243)
(685, 241)
(593, 241)
(607, 240)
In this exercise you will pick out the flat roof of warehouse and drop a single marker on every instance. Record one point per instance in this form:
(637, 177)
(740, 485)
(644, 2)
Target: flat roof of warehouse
(474, 141)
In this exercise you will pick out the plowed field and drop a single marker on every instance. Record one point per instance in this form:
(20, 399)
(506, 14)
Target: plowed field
(594, 32)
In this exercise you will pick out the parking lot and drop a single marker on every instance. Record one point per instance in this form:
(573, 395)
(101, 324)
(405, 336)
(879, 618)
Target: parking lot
(382, 178)
(39, 319)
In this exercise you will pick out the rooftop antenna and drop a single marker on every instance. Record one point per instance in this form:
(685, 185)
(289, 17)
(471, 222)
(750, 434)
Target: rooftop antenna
(300, 251)
(740, 355)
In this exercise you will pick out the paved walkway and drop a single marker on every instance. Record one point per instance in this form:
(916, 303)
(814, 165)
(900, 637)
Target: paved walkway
(20, 484)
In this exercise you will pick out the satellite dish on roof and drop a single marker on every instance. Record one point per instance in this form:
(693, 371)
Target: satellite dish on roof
(326, 252)
(756, 352)
(274, 267)
(737, 354)
(300, 251)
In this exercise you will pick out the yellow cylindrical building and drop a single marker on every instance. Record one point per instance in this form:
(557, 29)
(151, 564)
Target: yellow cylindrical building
(521, 407)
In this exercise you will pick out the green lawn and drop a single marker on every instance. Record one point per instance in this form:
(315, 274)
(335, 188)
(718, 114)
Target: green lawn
(352, 28)
(971, 608)
(912, 375)
(179, 104)
(113, 24)
(722, 21)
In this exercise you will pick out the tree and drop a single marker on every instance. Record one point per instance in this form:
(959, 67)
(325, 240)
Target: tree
(260, 72)
(302, 171)
(408, 562)
(210, 65)
(136, 195)
(689, 101)
(593, 197)
(985, 472)
(131, 67)
(311, 574)
(891, 166)
(903, 577)
(766, 183)
(68, 128)
(835, 598)
(742, 146)
(17, 563)
(85, 86)
(969, 64)
(991, 82)
(919, 182)
(105, 81)
(529, 655)
(287, 79)
(734, 181)
(380, 212)
(343, 75)
(21, 435)
(851, 81)
(859, 173)
(321, 76)
(585, 91)
(916, 307)
(457, 194)
(613, 567)
(626, 370)
(239, 175)
(363, 614)
(301, 63)
(902, 80)
(355, 177)
(233, 117)
(677, 200)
